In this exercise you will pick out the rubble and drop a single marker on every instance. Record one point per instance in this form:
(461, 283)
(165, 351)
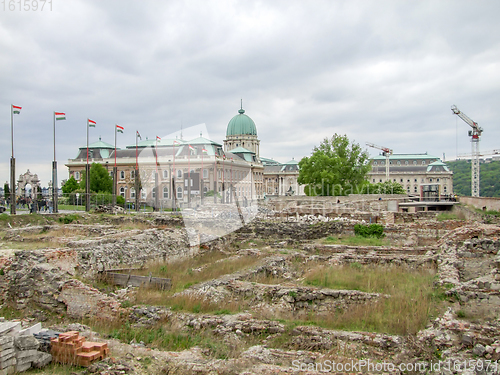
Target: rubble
(465, 254)
(19, 350)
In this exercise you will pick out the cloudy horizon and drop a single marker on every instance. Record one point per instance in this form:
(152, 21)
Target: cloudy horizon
(385, 72)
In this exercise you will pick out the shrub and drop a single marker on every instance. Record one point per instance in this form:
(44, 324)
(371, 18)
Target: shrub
(68, 219)
(372, 230)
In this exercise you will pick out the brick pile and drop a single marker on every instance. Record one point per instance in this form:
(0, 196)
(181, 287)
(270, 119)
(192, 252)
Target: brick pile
(70, 348)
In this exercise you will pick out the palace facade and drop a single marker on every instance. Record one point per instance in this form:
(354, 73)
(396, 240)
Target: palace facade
(187, 170)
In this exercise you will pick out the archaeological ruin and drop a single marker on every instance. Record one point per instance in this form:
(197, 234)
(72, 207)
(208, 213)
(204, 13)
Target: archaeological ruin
(292, 285)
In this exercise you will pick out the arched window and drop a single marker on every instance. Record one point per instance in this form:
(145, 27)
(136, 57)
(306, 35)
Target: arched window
(165, 174)
(143, 194)
(165, 192)
(374, 163)
(122, 175)
(132, 193)
(205, 173)
(77, 176)
(122, 192)
(179, 193)
(179, 173)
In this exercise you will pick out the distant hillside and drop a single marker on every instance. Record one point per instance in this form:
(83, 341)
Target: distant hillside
(489, 185)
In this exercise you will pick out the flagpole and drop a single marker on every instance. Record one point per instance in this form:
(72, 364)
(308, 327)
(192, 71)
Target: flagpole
(156, 154)
(215, 174)
(157, 195)
(231, 184)
(114, 172)
(223, 179)
(189, 174)
(87, 174)
(12, 165)
(54, 171)
(136, 172)
(174, 192)
(201, 175)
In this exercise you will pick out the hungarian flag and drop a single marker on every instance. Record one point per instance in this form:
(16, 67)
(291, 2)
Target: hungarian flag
(60, 115)
(16, 109)
(176, 143)
(119, 129)
(158, 138)
(204, 151)
(191, 148)
(138, 135)
(91, 123)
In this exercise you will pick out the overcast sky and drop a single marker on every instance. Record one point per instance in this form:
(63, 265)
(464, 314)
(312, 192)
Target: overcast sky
(385, 72)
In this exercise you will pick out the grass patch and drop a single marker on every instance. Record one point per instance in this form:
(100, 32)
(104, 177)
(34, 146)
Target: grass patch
(450, 216)
(356, 241)
(68, 219)
(56, 369)
(70, 207)
(204, 267)
(22, 219)
(412, 301)
(167, 337)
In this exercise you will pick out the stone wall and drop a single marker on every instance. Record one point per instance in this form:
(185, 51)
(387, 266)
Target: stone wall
(481, 202)
(46, 277)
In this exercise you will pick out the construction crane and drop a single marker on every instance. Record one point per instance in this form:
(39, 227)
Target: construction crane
(474, 135)
(485, 153)
(387, 152)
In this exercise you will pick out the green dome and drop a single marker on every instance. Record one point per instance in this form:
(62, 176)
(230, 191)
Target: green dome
(241, 125)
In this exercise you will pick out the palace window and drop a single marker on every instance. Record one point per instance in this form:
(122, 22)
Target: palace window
(165, 192)
(165, 174)
(122, 175)
(179, 193)
(122, 192)
(132, 193)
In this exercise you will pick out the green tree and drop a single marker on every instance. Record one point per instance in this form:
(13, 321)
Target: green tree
(489, 178)
(6, 190)
(336, 167)
(70, 186)
(100, 180)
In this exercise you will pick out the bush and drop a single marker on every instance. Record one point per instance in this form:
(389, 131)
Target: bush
(68, 219)
(372, 230)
